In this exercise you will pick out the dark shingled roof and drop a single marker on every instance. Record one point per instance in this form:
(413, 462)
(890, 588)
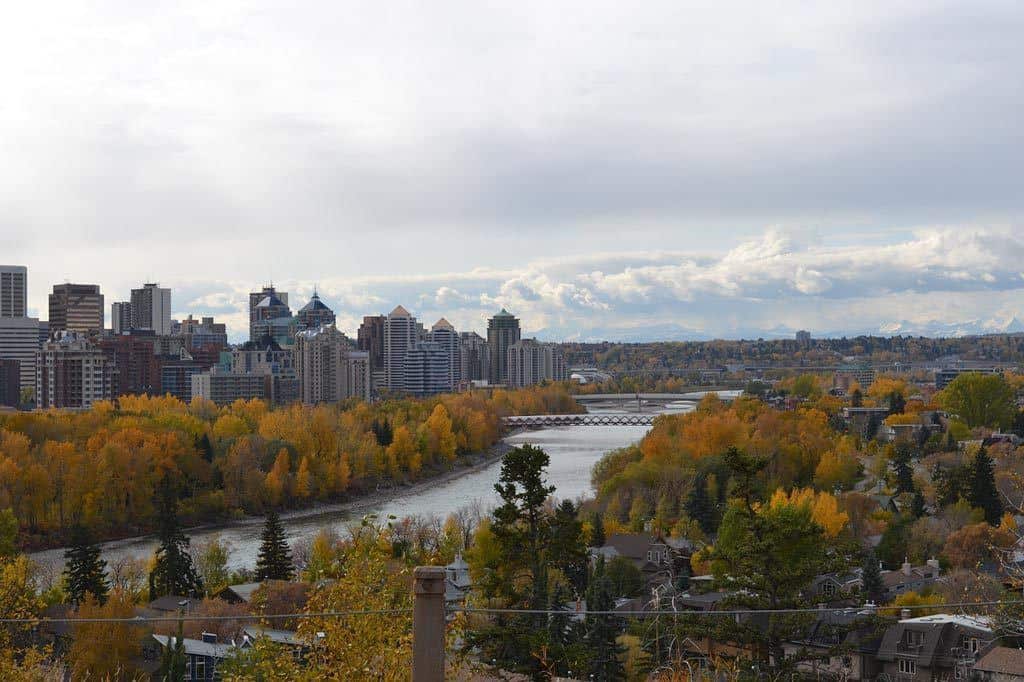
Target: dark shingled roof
(1003, 660)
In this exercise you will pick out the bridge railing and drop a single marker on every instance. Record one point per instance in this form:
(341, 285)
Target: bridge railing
(580, 420)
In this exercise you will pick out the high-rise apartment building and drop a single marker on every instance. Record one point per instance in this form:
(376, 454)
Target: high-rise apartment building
(71, 373)
(19, 340)
(13, 291)
(444, 335)
(10, 383)
(279, 299)
(322, 363)
(77, 308)
(120, 316)
(502, 332)
(474, 357)
(401, 331)
(314, 314)
(370, 339)
(426, 370)
(136, 364)
(531, 362)
(151, 309)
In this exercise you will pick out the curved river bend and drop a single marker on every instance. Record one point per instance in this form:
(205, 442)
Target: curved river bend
(573, 450)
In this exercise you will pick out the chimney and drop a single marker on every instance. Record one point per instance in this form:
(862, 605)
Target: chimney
(906, 566)
(934, 563)
(904, 614)
(210, 637)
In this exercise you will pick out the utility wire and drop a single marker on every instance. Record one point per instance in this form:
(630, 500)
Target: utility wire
(196, 616)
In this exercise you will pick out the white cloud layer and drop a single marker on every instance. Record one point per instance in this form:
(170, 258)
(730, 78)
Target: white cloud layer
(602, 168)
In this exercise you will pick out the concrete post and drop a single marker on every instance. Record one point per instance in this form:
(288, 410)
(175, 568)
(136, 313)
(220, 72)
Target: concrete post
(428, 624)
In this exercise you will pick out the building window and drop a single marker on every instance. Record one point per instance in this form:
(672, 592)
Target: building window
(828, 588)
(908, 667)
(914, 638)
(200, 669)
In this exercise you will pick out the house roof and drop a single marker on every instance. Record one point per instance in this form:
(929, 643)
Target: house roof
(1002, 660)
(170, 603)
(632, 545)
(940, 633)
(288, 637)
(243, 591)
(198, 647)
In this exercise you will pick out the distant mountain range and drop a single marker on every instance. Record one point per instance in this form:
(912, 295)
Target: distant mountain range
(674, 332)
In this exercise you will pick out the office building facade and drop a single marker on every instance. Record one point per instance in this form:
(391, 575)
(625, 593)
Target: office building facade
(314, 314)
(279, 299)
(10, 383)
(323, 368)
(19, 340)
(120, 316)
(13, 291)
(77, 308)
(370, 339)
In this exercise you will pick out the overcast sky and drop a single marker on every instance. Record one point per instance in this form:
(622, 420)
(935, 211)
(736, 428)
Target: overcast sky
(628, 170)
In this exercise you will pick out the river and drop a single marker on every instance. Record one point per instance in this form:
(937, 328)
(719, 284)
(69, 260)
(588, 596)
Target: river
(573, 450)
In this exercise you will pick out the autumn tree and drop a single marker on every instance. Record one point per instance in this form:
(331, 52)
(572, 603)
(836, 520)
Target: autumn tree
(980, 400)
(105, 650)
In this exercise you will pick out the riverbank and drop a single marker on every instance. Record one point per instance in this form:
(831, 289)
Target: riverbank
(363, 502)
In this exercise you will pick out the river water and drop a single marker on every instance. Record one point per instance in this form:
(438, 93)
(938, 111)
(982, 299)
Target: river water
(573, 450)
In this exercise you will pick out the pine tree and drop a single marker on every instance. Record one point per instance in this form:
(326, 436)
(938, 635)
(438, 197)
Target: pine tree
(904, 472)
(602, 631)
(918, 505)
(174, 572)
(698, 506)
(871, 577)
(983, 488)
(275, 559)
(85, 572)
(205, 448)
(597, 537)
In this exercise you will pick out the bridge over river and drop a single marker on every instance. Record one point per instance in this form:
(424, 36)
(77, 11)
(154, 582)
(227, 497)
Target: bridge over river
(724, 392)
(548, 420)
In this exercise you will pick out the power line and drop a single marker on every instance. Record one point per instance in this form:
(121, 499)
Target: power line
(196, 616)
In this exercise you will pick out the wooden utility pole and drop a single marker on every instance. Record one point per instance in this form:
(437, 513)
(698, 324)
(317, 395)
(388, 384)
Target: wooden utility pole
(428, 624)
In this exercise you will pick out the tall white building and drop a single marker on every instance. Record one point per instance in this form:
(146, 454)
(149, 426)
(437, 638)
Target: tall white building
(151, 309)
(531, 362)
(328, 368)
(444, 335)
(19, 340)
(427, 369)
(401, 331)
(13, 291)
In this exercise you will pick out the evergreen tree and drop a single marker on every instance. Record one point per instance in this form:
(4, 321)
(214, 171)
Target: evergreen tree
(382, 432)
(897, 403)
(918, 505)
(174, 572)
(204, 447)
(698, 506)
(871, 577)
(85, 572)
(597, 538)
(172, 661)
(904, 472)
(856, 398)
(274, 561)
(983, 488)
(602, 631)
(566, 547)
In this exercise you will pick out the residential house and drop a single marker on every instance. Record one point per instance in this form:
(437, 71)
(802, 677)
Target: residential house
(288, 639)
(839, 645)
(1000, 664)
(909, 579)
(456, 580)
(202, 656)
(238, 594)
(657, 558)
(941, 646)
